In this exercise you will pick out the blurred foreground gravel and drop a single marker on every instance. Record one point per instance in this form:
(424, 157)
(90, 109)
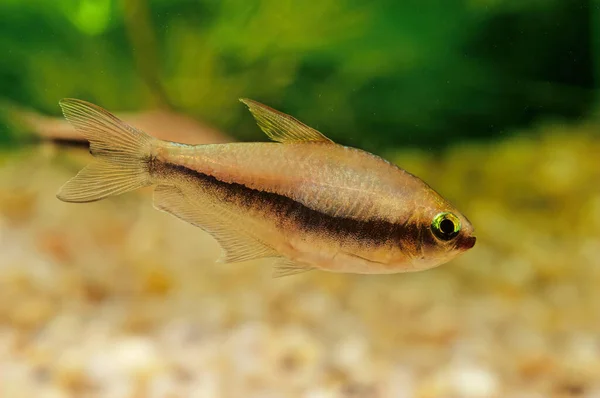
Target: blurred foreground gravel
(115, 299)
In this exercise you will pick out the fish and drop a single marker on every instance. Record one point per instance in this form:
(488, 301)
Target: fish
(301, 200)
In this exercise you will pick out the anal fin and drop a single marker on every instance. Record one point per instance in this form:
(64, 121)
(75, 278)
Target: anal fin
(237, 245)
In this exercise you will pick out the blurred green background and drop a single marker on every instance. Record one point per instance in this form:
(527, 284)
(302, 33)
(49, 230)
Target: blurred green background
(494, 103)
(370, 74)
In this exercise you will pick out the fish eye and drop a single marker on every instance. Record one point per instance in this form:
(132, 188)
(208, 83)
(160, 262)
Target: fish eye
(445, 226)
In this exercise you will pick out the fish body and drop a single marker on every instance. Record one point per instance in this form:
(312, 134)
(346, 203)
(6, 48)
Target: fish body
(304, 200)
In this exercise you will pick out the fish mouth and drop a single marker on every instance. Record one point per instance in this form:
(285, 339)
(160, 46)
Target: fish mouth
(467, 243)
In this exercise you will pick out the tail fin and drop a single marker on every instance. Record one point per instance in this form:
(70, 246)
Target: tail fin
(122, 153)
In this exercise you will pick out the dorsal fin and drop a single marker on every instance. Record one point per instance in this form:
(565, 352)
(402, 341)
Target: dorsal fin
(281, 127)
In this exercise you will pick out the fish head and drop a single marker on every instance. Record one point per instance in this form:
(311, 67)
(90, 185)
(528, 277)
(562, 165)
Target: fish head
(442, 233)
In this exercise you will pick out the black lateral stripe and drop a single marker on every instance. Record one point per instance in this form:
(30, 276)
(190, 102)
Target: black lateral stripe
(287, 209)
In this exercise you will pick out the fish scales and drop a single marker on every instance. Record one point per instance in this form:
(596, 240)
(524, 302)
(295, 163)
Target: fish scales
(335, 180)
(304, 200)
(281, 209)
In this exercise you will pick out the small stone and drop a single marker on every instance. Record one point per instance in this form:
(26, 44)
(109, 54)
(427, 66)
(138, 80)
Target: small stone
(207, 385)
(322, 393)
(17, 206)
(163, 386)
(55, 243)
(399, 383)
(247, 348)
(132, 359)
(157, 282)
(351, 355)
(31, 312)
(53, 392)
(69, 372)
(475, 382)
(295, 356)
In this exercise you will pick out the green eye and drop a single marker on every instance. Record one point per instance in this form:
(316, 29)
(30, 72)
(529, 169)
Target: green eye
(445, 226)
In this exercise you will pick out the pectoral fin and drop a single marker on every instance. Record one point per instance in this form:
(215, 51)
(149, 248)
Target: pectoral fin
(281, 127)
(284, 267)
(237, 245)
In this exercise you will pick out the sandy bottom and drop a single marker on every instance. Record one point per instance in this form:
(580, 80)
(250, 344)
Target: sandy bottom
(115, 299)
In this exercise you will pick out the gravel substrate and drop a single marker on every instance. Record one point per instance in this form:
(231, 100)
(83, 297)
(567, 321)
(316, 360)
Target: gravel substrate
(115, 299)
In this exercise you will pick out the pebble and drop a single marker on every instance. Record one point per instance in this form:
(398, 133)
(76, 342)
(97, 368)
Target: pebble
(133, 357)
(474, 382)
(93, 310)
